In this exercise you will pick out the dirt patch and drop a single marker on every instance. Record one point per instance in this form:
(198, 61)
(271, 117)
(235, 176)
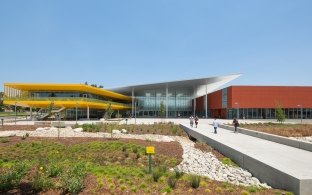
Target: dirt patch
(286, 130)
(172, 149)
(206, 148)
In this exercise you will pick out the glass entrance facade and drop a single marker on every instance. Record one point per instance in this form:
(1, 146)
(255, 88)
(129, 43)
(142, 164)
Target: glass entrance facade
(178, 101)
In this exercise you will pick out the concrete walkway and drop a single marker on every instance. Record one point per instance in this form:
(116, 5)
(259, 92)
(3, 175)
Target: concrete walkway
(278, 165)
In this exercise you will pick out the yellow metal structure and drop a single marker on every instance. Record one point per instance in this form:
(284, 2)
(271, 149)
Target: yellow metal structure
(67, 87)
(18, 94)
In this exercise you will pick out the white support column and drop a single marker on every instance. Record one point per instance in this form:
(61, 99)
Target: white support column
(206, 102)
(166, 100)
(88, 112)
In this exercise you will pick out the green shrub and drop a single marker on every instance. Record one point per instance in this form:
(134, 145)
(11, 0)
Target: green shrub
(228, 161)
(162, 169)
(72, 179)
(167, 190)
(174, 129)
(54, 170)
(252, 189)
(4, 140)
(11, 178)
(178, 173)
(194, 181)
(156, 174)
(244, 192)
(172, 180)
(41, 182)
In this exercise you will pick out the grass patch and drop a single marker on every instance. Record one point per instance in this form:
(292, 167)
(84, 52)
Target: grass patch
(229, 162)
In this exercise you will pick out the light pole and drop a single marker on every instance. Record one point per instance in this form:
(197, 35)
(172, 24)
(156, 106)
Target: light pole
(236, 103)
(299, 105)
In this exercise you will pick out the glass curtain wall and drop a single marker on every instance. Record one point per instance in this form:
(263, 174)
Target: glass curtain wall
(179, 102)
(269, 113)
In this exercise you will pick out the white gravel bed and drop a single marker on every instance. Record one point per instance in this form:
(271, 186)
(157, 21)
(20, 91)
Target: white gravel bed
(206, 164)
(194, 160)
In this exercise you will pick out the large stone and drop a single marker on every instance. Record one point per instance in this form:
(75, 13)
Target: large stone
(78, 129)
(124, 131)
(115, 131)
(40, 129)
(7, 134)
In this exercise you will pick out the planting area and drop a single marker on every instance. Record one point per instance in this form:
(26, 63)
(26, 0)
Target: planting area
(84, 165)
(286, 130)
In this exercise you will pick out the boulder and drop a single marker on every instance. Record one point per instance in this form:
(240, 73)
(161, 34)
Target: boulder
(78, 129)
(124, 131)
(7, 134)
(40, 129)
(53, 129)
(115, 131)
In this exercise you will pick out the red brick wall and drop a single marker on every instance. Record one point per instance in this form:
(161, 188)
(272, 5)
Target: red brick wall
(269, 96)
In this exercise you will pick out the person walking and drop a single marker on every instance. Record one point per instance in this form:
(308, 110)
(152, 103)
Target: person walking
(196, 121)
(236, 124)
(191, 121)
(215, 125)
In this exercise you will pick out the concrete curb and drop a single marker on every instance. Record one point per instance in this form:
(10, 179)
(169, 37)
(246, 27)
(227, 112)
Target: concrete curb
(270, 137)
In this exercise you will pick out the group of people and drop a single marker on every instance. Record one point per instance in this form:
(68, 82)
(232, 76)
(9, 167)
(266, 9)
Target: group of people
(215, 124)
(192, 119)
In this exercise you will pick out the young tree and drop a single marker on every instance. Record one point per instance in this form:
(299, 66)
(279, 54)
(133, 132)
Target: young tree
(101, 86)
(109, 111)
(279, 113)
(86, 83)
(162, 110)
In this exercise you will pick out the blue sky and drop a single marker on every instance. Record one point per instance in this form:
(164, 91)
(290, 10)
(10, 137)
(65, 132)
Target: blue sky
(119, 42)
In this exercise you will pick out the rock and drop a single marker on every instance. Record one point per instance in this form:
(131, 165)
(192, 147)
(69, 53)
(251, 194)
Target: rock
(46, 128)
(53, 129)
(7, 134)
(78, 129)
(115, 131)
(124, 131)
(40, 129)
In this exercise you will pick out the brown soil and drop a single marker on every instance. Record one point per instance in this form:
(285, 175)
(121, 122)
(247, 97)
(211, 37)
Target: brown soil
(172, 149)
(206, 148)
(286, 130)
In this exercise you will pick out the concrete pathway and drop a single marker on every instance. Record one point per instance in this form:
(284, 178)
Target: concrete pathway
(279, 165)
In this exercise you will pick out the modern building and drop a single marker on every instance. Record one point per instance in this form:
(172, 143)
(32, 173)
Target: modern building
(259, 102)
(65, 100)
(177, 98)
(87, 102)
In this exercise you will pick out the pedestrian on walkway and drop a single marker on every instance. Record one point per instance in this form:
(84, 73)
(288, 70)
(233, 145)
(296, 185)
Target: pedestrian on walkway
(191, 121)
(196, 121)
(236, 124)
(215, 125)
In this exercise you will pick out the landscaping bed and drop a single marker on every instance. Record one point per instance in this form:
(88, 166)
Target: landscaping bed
(20, 127)
(100, 166)
(286, 130)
